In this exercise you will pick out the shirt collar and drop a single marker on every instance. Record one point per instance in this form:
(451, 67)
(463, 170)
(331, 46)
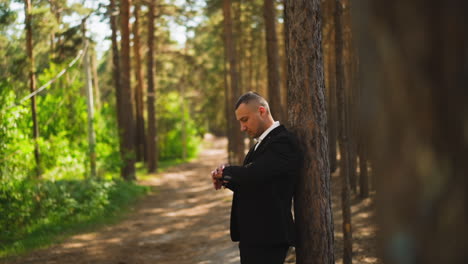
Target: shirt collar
(266, 132)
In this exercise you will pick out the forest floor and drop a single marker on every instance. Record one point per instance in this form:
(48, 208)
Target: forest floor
(185, 221)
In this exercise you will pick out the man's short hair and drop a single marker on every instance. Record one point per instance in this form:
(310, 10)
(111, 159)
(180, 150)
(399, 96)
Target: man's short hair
(250, 97)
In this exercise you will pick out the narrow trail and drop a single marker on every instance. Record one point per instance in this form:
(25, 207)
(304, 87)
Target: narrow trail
(184, 221)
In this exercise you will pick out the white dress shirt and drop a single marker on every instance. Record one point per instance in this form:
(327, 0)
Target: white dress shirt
(265, 133)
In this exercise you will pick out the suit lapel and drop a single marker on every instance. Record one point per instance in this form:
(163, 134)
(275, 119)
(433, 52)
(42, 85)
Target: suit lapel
(249, 155)
(264, 143)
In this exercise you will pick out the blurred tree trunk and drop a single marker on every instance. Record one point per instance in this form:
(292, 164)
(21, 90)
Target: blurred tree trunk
(250, 35)
(128, 129)
(140, 146)
(116, 63)
(113, 13)
(343, 132)
(236, 153)
(97, 92)
(89, 101)
(416, 105)
(152, 150)
(274, 92)
(350, 93)
(239, 42)
(56, 10)
(328, 14)
(363, 177)
(307, 117)
(32, 81)
(362, 135)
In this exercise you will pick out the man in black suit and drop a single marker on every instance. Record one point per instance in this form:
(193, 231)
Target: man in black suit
(261, 218)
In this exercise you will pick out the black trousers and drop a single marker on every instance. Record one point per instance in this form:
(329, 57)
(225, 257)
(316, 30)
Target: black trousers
(263, 254)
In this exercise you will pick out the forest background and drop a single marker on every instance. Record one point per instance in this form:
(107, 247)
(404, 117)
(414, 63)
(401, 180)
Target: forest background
(117, 102)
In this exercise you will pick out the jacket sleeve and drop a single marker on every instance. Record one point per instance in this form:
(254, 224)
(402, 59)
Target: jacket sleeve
(277, 159)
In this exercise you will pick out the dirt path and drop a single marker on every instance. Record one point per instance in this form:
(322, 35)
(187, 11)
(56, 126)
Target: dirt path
(183, 221)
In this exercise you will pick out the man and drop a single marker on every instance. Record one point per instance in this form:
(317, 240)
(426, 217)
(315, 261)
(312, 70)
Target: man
(261, 218)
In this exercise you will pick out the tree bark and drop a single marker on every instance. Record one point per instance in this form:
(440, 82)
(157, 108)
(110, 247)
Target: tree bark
(128, 129)
(237, 34)
(343, 134)
(416, 107)
(237, 151)
(307, 118)
(116, 67)
(363, 177)
(97, 94)
(351, 96)
(140, 146)
(113, 12)
(89, 102)
(274, 91)
(32, 81)
(328, 41)
(152, 159)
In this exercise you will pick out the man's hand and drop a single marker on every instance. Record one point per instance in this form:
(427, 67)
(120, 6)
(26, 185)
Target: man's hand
(216, 176)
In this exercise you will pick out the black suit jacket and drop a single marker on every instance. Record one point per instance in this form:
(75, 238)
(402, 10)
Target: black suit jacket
(263, 189)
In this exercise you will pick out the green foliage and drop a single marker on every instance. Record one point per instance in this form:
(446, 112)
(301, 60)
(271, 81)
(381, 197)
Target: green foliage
(170, 124)
(107, 140)
(16, 147)
(31, 208)
(7, 16)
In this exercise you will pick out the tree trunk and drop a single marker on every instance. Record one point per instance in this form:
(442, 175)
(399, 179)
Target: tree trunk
(349, 62)
(343, 134)
(416, 104)
(250, 48)
(239, 40)
(140, 146)
(307, 117)
(97, 94)
(237, 137)
(152, 150)
(128, 129)
(116, 67)
(32, 81)
(362, 136)
(274, 91)
(89, 102)
(328, 41)
(363, 177)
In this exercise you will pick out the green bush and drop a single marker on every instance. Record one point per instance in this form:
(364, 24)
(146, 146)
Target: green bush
(29, 209)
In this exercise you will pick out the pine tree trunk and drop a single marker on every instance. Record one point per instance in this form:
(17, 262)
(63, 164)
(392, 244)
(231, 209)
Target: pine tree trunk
(32, 81)
(238, 42)
(140, 146)
(363, 177)
(152, 150)
(116, 69)
(250, 48)
(274, 91)
(307, 117)
(418, 114)
(330, 77)
(128, 129)
(97, 92)
(237, 137)
(343, 134)
(89, 103)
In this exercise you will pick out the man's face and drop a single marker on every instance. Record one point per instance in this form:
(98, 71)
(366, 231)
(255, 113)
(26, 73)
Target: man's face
(251, 119)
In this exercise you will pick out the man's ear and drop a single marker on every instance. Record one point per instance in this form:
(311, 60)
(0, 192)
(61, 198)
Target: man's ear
(262, 110)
